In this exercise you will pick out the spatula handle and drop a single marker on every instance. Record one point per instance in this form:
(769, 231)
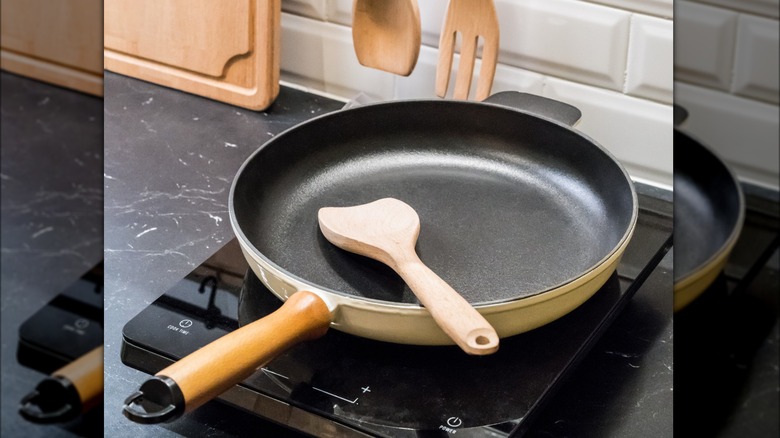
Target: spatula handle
(214, 368)
(459, 319)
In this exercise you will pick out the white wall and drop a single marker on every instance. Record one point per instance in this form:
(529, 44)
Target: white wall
(726, 62)
(610, 58)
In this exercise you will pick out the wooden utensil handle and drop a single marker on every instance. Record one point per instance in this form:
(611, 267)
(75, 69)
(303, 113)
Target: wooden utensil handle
(68, 392)
(86, 375)
(214, 368)
(459, 319)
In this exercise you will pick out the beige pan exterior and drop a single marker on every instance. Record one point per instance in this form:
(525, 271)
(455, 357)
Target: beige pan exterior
(691, 286)
(412, 324)
(405, 323)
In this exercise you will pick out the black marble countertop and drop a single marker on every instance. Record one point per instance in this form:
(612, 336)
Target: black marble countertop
(52, 222)
(169, 161)
(170, 158)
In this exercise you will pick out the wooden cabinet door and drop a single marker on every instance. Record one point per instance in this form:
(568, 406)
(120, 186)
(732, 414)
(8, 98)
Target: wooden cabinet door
(226, 50)
(54, 41)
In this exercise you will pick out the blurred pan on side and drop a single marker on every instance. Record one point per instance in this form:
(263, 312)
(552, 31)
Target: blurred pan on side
(709, 210)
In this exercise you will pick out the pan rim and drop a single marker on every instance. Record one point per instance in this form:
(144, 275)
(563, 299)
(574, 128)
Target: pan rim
(701, 270)
(621, 243)
(486, 307)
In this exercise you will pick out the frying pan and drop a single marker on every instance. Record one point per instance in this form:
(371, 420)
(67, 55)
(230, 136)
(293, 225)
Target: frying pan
(523, 215)
(709, 210)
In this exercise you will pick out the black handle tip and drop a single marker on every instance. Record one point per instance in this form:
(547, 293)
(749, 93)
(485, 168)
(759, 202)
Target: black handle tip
(159, 400)
(680, 114)
(54, 400)
(537, 105)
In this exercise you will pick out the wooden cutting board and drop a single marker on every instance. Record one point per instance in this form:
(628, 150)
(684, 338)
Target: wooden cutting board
(227, 50)
(56, 42)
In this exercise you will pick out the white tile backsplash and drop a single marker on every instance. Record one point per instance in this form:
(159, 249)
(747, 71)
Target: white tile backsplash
(742, 131)
(705, 55)
(756, 63)
(339, 11)
(650, 59)
(511, 78)
(730, 81)
(574, 40)
(570, 49)
(432, 14)
(321, 55)
(638, 132)
(767, 8)
(306, 8)
(302, 59)
(660, 8)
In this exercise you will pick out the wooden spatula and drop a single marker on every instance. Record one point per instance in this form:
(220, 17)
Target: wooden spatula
(386, 230)
(386, 34)
(472, 19)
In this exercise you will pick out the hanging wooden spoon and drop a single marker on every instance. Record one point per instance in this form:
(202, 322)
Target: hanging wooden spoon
(386, 230)
(386, 34)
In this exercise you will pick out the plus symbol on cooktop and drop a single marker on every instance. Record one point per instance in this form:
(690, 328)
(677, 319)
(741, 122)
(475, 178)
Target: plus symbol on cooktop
(365, 389)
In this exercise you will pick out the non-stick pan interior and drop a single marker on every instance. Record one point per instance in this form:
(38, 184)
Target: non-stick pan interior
(707, 205)
(510, 205)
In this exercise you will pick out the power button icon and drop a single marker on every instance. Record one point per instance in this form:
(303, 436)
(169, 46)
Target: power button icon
(454, 422)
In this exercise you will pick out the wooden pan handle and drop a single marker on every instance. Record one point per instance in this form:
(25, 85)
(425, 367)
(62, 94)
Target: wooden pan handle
(68, 392)
(86, 374)
(459, 319)
(214, 368)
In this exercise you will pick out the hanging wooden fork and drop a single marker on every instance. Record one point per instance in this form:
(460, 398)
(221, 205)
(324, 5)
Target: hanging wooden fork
(473, 19)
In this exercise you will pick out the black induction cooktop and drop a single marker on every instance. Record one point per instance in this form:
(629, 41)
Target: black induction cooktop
(345, 385)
